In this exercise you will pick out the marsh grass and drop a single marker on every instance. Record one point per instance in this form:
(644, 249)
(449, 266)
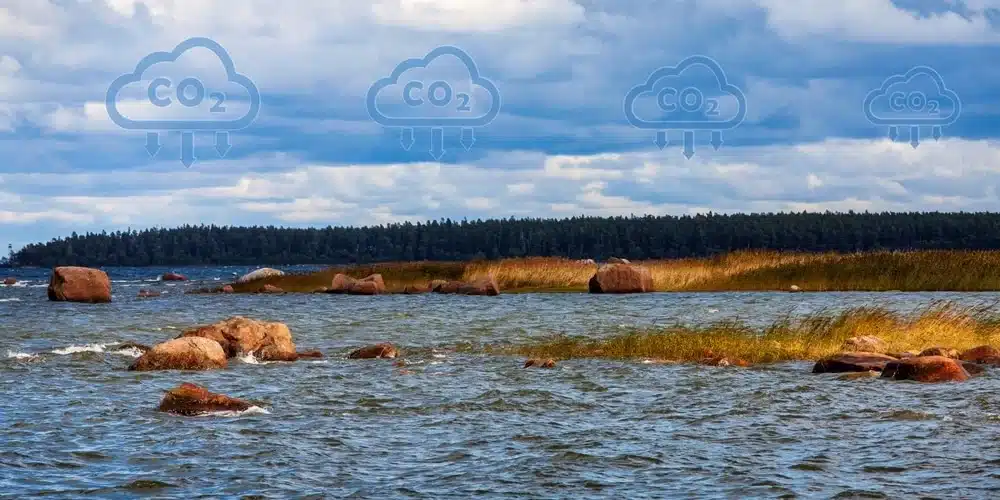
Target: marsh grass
(926, 270)
(809, 337)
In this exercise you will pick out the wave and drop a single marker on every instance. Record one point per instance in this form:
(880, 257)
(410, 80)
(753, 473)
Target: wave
(73, 349)
(11, 299)
(253, 410)
(20, 355)
(128, 351)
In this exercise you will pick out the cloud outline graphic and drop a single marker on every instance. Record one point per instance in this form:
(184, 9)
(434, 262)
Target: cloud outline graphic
(393, 79)
(111, 98)
(672, 71)
(910, 121)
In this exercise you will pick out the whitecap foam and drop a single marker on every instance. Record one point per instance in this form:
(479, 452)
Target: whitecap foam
(11, 299)
(73, 349)
(20, 355)
(249, 359)
(253, 410)
(439, 356)
(129, 351)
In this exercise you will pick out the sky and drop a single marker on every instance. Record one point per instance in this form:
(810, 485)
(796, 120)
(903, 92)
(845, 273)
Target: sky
(527, 114)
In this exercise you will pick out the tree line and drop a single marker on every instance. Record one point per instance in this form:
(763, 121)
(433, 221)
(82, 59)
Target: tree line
(633, 237)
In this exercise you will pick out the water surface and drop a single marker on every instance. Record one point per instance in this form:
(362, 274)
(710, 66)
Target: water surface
(455, 423)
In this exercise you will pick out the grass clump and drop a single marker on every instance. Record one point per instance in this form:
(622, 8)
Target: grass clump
(809, 337)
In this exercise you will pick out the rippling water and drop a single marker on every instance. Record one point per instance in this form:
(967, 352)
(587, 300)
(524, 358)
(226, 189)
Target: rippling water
(74, 423)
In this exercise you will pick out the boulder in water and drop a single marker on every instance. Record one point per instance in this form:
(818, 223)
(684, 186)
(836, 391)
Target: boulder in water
(189, 353)
(190, 399)
(416, 289)
(621, 278)
(10, 281)
(341, 283)
(370, 285)
(269, 289)
(540, 363)
(239, 336)
(264, 272)
(984, 354)
(926, 369)
(384, 350)
(173, 277)
(852, 362)
(79, 284)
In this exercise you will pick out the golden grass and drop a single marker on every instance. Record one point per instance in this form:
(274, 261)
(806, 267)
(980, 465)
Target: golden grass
(809, 337)
(926, 270)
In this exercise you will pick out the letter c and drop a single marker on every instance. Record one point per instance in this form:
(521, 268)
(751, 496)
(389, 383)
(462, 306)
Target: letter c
(155, 85)
(897, 101)
(408, 91)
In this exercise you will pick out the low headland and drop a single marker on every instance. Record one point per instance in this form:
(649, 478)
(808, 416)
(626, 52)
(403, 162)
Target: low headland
(912, 271)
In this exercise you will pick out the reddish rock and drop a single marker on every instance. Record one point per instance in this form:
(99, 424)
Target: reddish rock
(926, 369)
(974, 369)
(309, 355)
(190, 399)
(192, 353)
(940, 351)
(145, 294)
(723, 361)
(540, 363)
(449, 287)
(79, 284)
(341, 283)
(227, 289)
(270, 289)
(374, 351)
(984, 354)
(239, 336)
(371, 285)
(486, 285)
(621, 278)
(416, 289)
(435, 284)
(173, 277)
(10, 281)
(852, 362)
(864, 343)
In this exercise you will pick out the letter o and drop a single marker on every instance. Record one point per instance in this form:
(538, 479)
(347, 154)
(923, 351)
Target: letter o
(199, 92)
(916, 101)
(691, 107)
(432, 93)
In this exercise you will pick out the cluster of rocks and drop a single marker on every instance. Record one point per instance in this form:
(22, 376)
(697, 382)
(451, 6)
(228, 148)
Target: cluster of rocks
(868, 356)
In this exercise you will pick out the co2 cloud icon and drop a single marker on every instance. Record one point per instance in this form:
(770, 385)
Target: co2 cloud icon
(183, 103)
(914, 99)
(691, 96)
(442, 89)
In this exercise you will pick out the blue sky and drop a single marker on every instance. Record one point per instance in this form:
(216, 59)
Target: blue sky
(559, 146)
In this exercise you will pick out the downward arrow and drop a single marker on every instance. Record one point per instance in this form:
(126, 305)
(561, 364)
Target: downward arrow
(688, 144)
(152, 143)
(661, 139)
(914, 137)
(437, 143)
(406, 138)
(716, 139)
(187, 149)
(222, 143)
(468, 138)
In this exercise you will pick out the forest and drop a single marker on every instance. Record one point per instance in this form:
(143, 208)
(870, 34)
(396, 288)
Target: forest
(633, 237)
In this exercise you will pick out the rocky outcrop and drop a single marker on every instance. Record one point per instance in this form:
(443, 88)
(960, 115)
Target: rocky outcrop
(939, 351)
(238, 336)
(79, 284)
(926, 369)
(147, 294)
(190, 353)
(384, 350)
(865, 343)
(852, 362)
(540, 363)
(264, 272)
(621, 278)
(190, 399)
(173, 277)
(984, 355)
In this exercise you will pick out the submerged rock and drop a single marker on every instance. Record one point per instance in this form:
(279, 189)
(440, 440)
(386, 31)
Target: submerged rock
(926, 369)
(540, 363)
(145, 294)
(384, 350)
(865, 343)
(190, 353)
(852, 362)
(486, 285)
(173, 277)
(79, 284)
(858, 375)
(984, 354)
(227, 289)
(309, 355)
(190, 399)
(239, 336)
(621, 278)
(264, 272)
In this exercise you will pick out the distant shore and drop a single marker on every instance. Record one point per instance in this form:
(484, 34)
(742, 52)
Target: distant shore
(923, 270)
